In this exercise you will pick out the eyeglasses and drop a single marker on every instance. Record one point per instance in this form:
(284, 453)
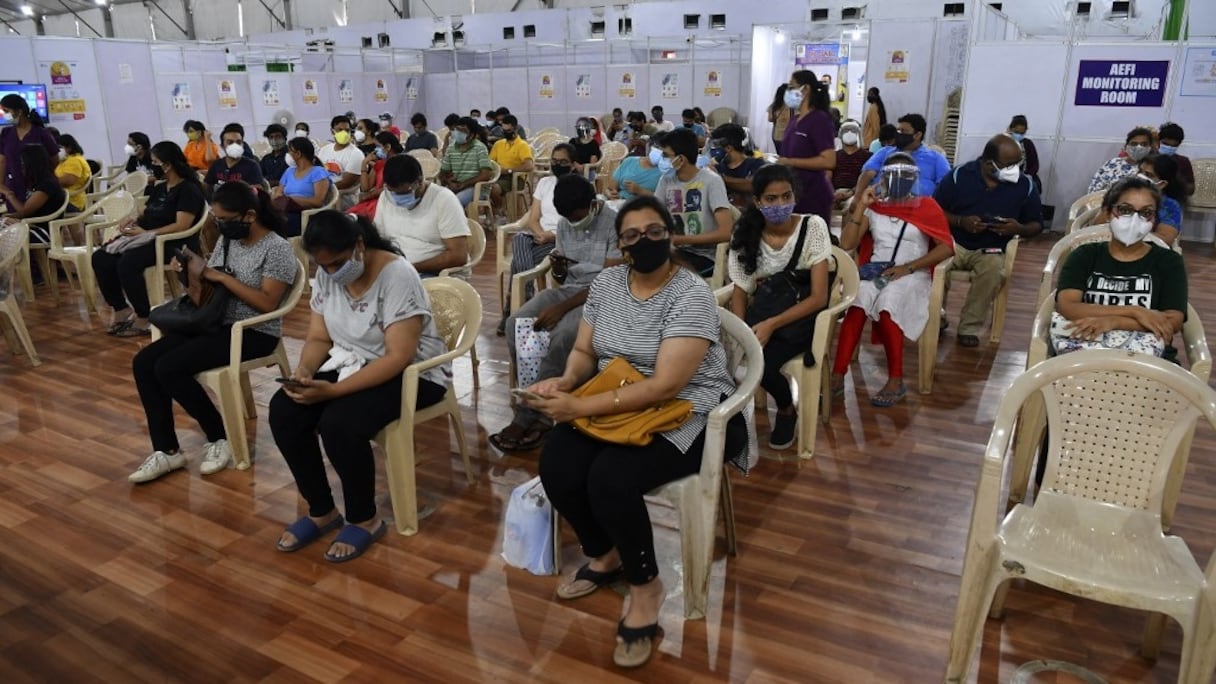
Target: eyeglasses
(1147, 213)
(655, 231)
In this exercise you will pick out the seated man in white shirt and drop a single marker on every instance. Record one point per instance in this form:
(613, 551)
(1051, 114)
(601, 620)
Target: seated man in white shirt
(423, 219)
(343, 160)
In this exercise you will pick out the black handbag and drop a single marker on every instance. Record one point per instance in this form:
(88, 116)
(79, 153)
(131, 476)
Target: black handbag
(872, 269)
(782, 290)
(201, 309)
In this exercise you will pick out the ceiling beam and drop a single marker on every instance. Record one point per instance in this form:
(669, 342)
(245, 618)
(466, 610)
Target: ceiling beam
(280, 22)
(80, 18)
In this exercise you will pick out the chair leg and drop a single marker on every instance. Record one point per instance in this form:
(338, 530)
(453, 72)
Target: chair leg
(555, 524)
(976, 590)
(927, 349)
(458, 427)
(1199, 646)
(1150, 640)
(248, 410)
(234, 419)
(52, 275)
(809, 388)
(25, 275)
(476, 367)
(728, 513)
(998, 312)
(9, 308)
(402, 482)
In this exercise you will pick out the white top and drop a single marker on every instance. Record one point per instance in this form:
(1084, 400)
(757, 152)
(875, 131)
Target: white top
(544, 194)
(906, 298)
(667, 126)
(346, 160)
(816, 248)
(420, 232)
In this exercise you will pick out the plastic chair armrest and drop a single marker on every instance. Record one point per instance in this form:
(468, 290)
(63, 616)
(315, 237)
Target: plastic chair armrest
(1197, 352)
(521, 279)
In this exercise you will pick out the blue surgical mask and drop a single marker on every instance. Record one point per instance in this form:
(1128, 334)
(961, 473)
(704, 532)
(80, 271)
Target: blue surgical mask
(702, 161)
(665, 166)
(403, 199)
(349, 272)
(656, 156)
(1167, 149)
(380, 153)
(1018, 136)
(460, 137)
(793, 98)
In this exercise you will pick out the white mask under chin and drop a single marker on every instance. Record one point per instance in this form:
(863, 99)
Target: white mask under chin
(1130, 230)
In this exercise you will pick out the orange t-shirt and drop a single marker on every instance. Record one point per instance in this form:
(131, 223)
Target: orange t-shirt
(196, 154)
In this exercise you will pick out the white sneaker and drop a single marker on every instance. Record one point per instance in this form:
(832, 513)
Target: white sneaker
(216, 458)
(156, 465)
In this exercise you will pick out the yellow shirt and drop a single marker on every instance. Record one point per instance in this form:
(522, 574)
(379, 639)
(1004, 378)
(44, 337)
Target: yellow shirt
(511, 155)
(75, 165)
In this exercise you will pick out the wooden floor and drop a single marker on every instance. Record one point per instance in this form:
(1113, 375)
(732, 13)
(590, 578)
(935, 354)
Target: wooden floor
(847, 569)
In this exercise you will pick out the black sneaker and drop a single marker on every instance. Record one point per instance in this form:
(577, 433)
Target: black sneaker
(784, 431)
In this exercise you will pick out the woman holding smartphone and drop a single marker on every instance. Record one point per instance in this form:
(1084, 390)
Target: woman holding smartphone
(262, 268)
(371, 318)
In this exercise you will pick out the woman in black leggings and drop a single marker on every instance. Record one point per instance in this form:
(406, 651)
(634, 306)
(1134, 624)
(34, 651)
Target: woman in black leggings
(263, 267)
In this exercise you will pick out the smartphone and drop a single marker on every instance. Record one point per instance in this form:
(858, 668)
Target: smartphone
(525, 394)
(290, 382)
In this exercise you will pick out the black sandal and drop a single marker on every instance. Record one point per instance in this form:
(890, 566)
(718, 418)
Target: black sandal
(597, 580)
(508, 438)
(634, 645)
(119, 326)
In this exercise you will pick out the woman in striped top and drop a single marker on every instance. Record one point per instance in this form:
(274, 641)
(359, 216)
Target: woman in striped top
(662, 319)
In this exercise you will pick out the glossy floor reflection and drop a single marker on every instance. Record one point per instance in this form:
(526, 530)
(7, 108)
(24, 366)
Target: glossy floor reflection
(847, 567)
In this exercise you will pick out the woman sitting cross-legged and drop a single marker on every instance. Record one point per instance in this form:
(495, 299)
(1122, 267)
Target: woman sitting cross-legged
(263, 268)
(371, 317)
(174, 206)
(662, 319)
(763, 246)
(897, 300)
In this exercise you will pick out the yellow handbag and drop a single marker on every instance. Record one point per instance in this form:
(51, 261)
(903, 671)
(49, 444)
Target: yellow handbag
(628, 428)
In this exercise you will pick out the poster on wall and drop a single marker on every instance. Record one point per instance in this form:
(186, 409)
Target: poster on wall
(227, 94)
(346, 90)
(311, 96)
(125, 75)
(64, 101)
(671, 86)
(411, 88)
(546, 86)
(811, 54)
(582, 86)
(381, 90)
(181, 97)
(1121, 83)
(626, 89)
(897, 67)
(713, 84)
(830, 61)
(1199, 73)
(270, 93)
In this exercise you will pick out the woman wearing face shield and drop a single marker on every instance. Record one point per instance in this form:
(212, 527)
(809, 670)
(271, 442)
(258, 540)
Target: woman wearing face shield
(900, 237)
(586, 147)
(1128, 283)
(1138, 146)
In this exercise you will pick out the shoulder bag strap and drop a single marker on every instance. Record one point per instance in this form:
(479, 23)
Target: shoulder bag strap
(226, 242)
(898, 241)
(792, 265)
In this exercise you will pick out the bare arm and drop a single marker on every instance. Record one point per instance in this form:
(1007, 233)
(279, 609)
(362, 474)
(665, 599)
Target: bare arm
(738, 184)
(27, 207)
(319, 190)
(401, 345)
(347, 180)
(738, 302)
(455, 253)
(316, 347)
(1070, 306)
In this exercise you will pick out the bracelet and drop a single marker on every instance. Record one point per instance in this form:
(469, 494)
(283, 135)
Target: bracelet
(616, 400)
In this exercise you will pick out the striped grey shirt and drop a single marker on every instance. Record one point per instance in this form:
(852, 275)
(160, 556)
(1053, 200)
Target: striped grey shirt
(633, 329)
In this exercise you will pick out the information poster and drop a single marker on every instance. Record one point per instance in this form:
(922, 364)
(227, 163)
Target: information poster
(671, 86)
(1199, 74)
(830, 61)
(411, 88)
(181, 97)
(270, 93)
(626, 89)
(582, 86)
(311, 96)
(897, 67)
(64, 101)
(713, 84)
(125, 74)
(814, 54)
(227, 94)
(1121, 83)
(381, 90)
(546, 86)
(346, 91)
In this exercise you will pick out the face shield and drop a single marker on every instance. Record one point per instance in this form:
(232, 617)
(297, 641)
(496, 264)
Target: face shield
(897, 184)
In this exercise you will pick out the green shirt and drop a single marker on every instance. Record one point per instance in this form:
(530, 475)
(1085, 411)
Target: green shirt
(1155, 281)
(465, 164)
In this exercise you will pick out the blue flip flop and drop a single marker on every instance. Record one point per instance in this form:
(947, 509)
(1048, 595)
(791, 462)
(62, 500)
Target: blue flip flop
(889, 399)
(306, 532)
(357, 537)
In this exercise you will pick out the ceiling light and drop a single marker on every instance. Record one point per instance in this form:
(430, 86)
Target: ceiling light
(27, 10)
(100, 3)
(779, 38)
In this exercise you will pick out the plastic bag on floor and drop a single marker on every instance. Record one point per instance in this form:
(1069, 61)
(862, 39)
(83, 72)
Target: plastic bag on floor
(527, 538)
(531, 345)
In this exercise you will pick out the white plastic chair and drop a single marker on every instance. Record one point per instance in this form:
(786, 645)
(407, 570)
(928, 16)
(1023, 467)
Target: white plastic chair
(696, 497)
(718, 278)
(155, 276)
(13, 239)
(456, 307)
(1002, 295)
(1094, 530)
(297, 242)
(502, 257)
(230, 383)
(477, 250)
(106, 214)
(482, 204)
(1084, 203)
(24, 269)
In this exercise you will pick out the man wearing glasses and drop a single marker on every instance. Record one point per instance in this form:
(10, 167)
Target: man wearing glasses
(987, 203)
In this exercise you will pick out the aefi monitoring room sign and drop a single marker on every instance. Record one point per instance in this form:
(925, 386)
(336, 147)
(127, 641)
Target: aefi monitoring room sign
(1122, 83)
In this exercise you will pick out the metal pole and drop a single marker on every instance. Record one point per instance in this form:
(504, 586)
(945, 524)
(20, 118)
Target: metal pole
(189, 19)
(107, 20)
(79, 18)
(287, 14)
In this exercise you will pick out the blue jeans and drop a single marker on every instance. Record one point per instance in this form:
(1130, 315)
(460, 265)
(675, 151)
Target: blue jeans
(465, 196)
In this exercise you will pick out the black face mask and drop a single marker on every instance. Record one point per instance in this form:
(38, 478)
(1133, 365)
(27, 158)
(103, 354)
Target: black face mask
(903, 140)
(648, 256)
(871, 99)
(688, 125)
(560, 170)
(234, 229)
(508, 136)
(158, 172)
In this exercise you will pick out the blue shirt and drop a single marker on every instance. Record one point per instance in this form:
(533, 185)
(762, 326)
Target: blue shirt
(1170, 212)
(964, 193)
(631, 170)
(302, 187)
(933, 167)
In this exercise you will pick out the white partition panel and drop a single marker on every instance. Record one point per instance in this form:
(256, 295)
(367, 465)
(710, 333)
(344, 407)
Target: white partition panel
(1193, 112)
(905, 84)
(1113, 122)
(69, 69)
(442, 98)
(179, 98)
(18, 59)
(311, 102)
(672, 87)
(130, 88)
(716, 85)
(228, 101)
(628, 87)
(547, 93)
(586, 91)
(949, 69)
(270, 93)
(988, 98)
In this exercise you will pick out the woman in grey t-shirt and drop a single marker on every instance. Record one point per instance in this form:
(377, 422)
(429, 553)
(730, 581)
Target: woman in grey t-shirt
(371, 318)
(663, 320)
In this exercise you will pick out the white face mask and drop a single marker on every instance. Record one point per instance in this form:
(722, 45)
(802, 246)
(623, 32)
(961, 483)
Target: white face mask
(849, 138)
(1137, 152)
(1130, 230)
(291, 162)
(1009, 174)
(235, 150)
(63, 154)
(301, 133)
(360, 136)
(130, 151)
